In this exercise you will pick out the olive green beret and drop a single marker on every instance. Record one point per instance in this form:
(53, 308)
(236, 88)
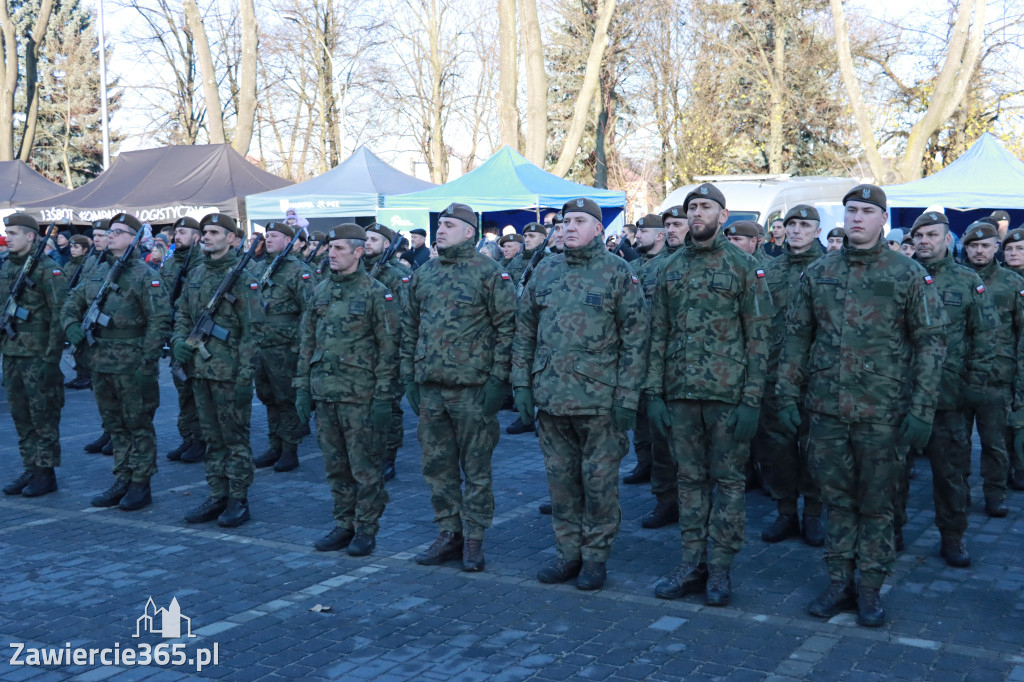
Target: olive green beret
(742, 228)
(220, 220)
(505, 239)
(978, 230)
(319, 236)
(22, 220)
(929, 218)
(81, 240)
(673, 212)
(284, 228)
(102, 224)
(705, 191)
(836, 232)
(1001, 215)
(535, 228)
(459, 212)
(382, 230)
(190, 223)
(801, 212)
(559, 218)
(869, 194)
(346, 231)
(1015, 235)
(128, 220)
(651, 220)
(582, 205)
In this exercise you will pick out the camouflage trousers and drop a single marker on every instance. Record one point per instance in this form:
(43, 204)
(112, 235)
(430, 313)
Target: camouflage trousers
(188, 419)
(899, 511)
(858, 467)
(127, 409)
(457, 443)
(783, 459)
(275, 369)
(35, 393)
(582, 454)
(996, 438)
(712, 480)
(652, 447)
(396, 431)
(352, 463)
(949, 451)
(224, 421)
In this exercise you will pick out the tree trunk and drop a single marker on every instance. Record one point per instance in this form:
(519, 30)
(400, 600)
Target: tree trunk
(8, 84)
(591, 81)
(777, 93)
(536, 83)
(214, 115)
(860, 111)
(600, 136)
(246, 77)
(508, 74)
(28, 132)
(438, 153)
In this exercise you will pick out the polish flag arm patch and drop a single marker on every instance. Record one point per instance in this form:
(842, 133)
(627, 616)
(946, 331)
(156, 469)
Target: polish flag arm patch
(760, 274)
(305, 275)
(254, 286)
(155, 283)
(388, 297)
(980, 288)
(56, 272)
(505, 276)
(634, 278)
(928, 279)
(405, 280)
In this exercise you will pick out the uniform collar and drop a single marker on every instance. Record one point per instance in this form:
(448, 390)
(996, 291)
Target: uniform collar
(461, 251)
(805, 257)
(226, 262)
(339, 278)
(716, 244)
(586, 253)
(986, 270)
(940, 264)
(868, 255)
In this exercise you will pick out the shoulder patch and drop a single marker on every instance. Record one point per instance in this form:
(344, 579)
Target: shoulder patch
(388, 297)
(634, 278)
(305, 275)
(254, 285)
(980, 288)
(155, 283)
(928, 279)
(505, 276)
(760, 274)
(57, 272)
(405, 280)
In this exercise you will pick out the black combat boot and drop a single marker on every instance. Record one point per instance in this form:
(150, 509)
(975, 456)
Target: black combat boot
(664, 513)
(685, 579)
(138, 496)
(1016, 480)
(79, 382)
(996, 508)
(387, 469)
(813, 531)
(785, 526)
(289, 459)
(473, 555)
(210, 509)
(641, 473)
(43, 481)
(592, 576)
(545, 507)
(559, 571)
(362, 544)
(235, 514)
(840, 595)
(175, 454)
(108, 448)
(268, 458)
(17, 485)
(719, 589)
(195, 453)
(517, 427)
(446, 547)
(339, 538)
(897, 538)
(112, 496)
(870, 612)
(96, 446)
(954, 552)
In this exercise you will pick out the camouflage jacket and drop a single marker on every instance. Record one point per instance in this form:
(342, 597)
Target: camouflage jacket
(458, 326)
(72, 266)
(284, 298)
(41, 334)
(866, 334)
(169, 272)
(92, 261)
(709, 325)
(140, 317)
(647, 269)
(581, 334)
(1006, 290)
(520, 262)
(395, 276)
(783, 276)
(970, 337)
(347, 349)
(230, 360)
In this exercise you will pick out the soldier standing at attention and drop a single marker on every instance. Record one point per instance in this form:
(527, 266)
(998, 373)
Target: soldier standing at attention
(533, 237)
(785, 453)
(1013, 251)
(865, 334)
(124, 362)
(743, 235)
(578, 357)
(676, 227)
(222, 383)
(456, 346)
(285, 295)
(79, 247)
(511, 246)
(970, 350)
(31, 358)
(836, 239)
(709, 347)
(348, 364)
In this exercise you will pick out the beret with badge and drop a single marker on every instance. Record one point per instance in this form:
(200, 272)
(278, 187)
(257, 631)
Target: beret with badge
(81, 240)
(1000, 215)
(868, 194)
(742, 228)
(705, 191)
(535, 228)
(190, 223)
(979, 230)
(836, 233)
(22, 220)
(128, 220)
(505, 239)
(582, 205)
(801, 212)
(929, 218)
(1014, 235)
(220, 220)
(382, 230)
(650, 221)
(459, 212)
(284, 228)
(346, 231)
(673, 212)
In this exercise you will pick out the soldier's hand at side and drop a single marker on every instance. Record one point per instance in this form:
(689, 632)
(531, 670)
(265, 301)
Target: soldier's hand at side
(657, 414)
(524, 405)
(789, 419)
(623, 418)
(915, 432)
(380, 414)
(493, 396)
(412, 392)
(74, 334)
(182, 352)
(304, 405)
(743, 422)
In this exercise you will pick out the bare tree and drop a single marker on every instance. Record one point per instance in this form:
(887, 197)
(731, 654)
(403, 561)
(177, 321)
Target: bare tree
(508, 69)
(536, 82)
(32, 45)
(201, 43)
(246, 107)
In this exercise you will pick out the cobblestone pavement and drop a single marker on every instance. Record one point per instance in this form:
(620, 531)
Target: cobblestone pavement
(78, 577)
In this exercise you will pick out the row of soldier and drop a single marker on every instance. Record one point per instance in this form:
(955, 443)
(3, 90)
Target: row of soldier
(835, 360)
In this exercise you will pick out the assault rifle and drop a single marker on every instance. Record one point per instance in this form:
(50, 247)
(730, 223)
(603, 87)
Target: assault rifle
(205, 327)
(276, 263)
(179, 280)
(13, 310)
(81, 266)
(313, 254)
(94, 316)
(535, 259)
(388, 254)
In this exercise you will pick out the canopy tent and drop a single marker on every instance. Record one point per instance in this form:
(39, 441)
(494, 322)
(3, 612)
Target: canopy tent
(355, 187)
(986, 177)
(19, 184)
(161, 185)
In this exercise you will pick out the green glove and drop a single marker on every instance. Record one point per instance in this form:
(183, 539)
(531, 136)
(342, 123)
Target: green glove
(789, 419)
(74, 334)
(182, 352)
(412, 392)
(493, 396)
(243, 391)
(524, 404)
(380, 415)
(657, 414)
(916, 432)
(623, 418)
(1018, 442)
(303, 404)
(743, 422)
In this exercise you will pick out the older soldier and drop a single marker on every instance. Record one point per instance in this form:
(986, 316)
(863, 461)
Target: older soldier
(709, 333)
(31, 350)
(970, 349)
(222, 382)
(348, 364)
(876, 326)
(456, 344)
(784, 454)
(676, 227)
(578, 357)
(1006, 290)
(836, 238)
(285, 293)
(511, 245)
(533, 237)
(743, 234)
(124, 361)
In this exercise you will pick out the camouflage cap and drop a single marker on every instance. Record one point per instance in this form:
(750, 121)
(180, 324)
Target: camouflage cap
(22, 220)
(869, 194)
(189, 223)
(705, 191)
(929, 218)
(128, 220)
(650, 221)
(102, 224)
(978, 230)
(284, 228)
(382, 230)
(1015, 235)
(836, 232)
(742, 228)
(673, 212)
(220, 220)
(535, 228)
(582, 205)
(1001, 215)
(459, 212)
(505, 239)
(801, 212)
(346, 231)
(81, 240)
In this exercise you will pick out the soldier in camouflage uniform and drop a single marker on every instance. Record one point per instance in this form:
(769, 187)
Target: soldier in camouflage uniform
(865, 335)
(1013, 252)
(31, 359)
(285, 294)
(394, 275)
(456, 352)
(676, 227)
(533, 237)
(348, 364)
(186, 239)
(970, 349)
(743, 235)
(124, 361)
(511, 246)
(784, 454)
(222, 383)
(836, 238)
(79, 247)
(709, 346)
(578, 356)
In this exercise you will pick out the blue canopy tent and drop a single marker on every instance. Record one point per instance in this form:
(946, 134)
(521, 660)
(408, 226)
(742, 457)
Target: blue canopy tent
(507, 183)
(985, 178)
(354, 188)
